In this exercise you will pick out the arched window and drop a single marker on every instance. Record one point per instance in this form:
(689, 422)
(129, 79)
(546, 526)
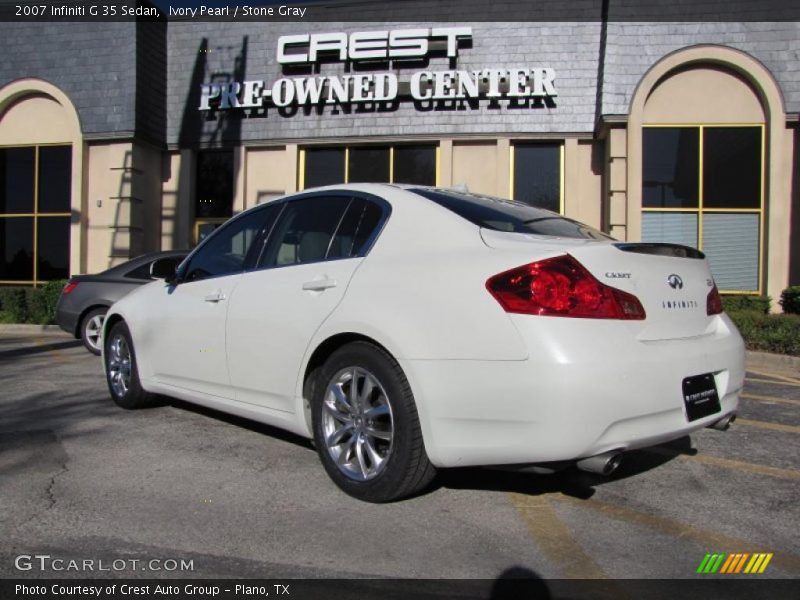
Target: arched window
(703, 171)
(37, 171)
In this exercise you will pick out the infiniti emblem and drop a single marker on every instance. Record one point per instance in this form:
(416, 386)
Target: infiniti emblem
(675, 282)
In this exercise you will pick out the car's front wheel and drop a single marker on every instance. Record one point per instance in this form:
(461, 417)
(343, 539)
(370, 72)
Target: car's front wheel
(92, 329)
(122, 373)
(366, 427)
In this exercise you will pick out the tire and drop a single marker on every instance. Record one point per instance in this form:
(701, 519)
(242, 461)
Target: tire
(92, 329)
(122, 374)
(370, 445)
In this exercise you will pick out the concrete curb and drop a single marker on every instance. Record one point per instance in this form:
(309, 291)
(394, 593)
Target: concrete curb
(781, 363)
(25, 329)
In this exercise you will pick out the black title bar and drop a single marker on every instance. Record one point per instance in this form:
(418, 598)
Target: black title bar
(401, 10)
(528, 588)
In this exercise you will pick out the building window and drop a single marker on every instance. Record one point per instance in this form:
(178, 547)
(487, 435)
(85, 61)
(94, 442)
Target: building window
(35, 213)
(537, 175)
(401, 163)
(214, 191)
(324, 166)
(414, 163)
(703, 186)
(369, 164)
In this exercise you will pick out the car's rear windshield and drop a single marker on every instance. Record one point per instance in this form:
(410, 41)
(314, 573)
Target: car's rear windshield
(507, 215)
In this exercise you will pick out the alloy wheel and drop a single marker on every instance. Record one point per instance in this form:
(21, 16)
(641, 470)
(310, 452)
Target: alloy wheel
(119, 365)
(357, 423)
(93, 331)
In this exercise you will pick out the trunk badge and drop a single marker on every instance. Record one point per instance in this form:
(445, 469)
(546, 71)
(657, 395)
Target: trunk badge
(675, 282)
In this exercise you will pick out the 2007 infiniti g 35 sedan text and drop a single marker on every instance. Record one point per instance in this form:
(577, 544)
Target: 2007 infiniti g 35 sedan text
(407, 328)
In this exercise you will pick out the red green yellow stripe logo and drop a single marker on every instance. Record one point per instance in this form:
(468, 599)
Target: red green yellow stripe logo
(735, 563)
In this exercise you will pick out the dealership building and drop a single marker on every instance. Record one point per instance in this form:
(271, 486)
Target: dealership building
(122, 137)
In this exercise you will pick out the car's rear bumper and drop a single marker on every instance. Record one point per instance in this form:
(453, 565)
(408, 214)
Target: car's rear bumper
(67, 320)
(571, 400)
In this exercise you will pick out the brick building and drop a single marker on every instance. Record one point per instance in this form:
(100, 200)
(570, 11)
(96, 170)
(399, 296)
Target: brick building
(122, 137)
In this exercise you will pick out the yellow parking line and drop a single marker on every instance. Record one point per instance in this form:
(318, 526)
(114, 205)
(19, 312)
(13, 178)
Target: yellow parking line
(554, 538)
(702, 537)
(755, 380)
(768, 425)
(776, 376)
(728, 463)
(770, 399)
(738, 465)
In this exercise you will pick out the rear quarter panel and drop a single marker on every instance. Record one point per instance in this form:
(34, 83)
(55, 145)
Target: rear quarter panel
(421, 289)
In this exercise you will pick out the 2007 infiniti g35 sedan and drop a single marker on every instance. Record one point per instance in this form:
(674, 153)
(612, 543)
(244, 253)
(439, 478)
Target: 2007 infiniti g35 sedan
(407, 328)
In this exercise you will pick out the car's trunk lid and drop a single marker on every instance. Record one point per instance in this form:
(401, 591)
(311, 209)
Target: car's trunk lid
(672, 282)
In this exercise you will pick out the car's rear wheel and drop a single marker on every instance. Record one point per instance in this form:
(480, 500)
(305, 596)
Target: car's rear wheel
(366, 427)
(122, 373)
(92, 329)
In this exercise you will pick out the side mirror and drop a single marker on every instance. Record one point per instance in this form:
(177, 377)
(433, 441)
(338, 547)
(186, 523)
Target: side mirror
(165, 268)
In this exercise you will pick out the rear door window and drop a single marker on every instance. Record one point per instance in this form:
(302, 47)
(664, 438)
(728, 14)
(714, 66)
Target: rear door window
(357, 229)
(305, 230)
(140, 272)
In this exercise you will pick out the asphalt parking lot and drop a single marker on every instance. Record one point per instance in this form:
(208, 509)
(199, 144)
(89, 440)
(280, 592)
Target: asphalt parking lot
(80, 478)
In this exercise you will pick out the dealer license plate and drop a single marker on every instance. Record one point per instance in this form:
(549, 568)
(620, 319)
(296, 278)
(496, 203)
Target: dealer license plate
(700, 396)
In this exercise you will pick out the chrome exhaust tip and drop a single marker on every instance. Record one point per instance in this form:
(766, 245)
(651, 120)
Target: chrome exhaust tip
(724, 423)
(602, 464)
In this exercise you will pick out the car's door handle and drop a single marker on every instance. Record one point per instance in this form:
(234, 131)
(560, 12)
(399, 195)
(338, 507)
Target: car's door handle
(217, 296)
(318, 285)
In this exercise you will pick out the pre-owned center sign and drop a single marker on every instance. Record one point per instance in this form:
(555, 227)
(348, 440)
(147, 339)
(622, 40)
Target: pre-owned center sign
(397, 46)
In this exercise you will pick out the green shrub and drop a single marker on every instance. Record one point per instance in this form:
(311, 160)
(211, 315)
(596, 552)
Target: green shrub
(736, 303)
(769, 333)
(30, 305)
(13, 302)
(790, 300)
(42, 302)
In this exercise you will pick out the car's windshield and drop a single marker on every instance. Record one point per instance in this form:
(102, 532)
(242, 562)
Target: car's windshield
(507, 215)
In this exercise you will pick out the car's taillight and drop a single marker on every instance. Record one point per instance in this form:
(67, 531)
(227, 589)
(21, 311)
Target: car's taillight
(71, 285)
(561, 287)
(713, 302)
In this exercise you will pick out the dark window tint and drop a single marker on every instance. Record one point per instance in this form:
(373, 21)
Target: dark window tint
(226, 250)
(55, 179)
(324, 166)
(205, 229)
(368, 164)
(52, 240)
(304, 231)
(356, 230)
(537, 175)
(214, 185)
(670, 169)
(415, 164)
(509, 215)
(732, 167)
(140, 272)
(16, 246)
(16, 180)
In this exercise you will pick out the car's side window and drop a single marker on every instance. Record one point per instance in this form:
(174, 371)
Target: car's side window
(356, 229)
(140, 272)
(304, 231)
(225, 252)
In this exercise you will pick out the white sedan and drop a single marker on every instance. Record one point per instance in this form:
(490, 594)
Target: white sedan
(407, 328)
